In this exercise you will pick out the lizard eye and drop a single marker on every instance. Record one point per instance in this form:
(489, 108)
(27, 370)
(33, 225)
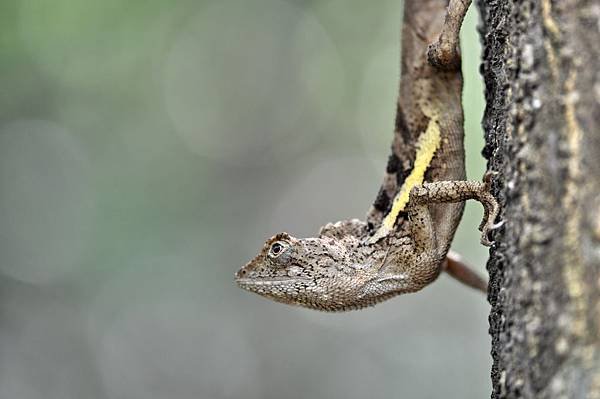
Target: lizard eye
(277, 248)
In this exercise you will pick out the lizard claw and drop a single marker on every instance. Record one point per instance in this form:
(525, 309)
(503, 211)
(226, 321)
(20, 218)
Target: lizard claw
(497, 225)
(489, 226)
(484, 235)
(485, 230)
(487, 178)
(485, 241)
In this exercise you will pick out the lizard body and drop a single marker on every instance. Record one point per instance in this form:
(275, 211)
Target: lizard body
(403, 245)
(429, 108)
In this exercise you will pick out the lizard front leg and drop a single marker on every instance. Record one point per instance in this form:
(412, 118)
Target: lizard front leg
(456, 191)
(415, 266)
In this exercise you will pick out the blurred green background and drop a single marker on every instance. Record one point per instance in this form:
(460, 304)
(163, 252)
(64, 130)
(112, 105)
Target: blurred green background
(147, 149)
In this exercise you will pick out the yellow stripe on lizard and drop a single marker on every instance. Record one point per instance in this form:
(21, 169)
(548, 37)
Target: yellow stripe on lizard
(427, 145)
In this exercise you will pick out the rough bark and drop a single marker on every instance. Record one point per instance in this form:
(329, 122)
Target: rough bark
(540, 64)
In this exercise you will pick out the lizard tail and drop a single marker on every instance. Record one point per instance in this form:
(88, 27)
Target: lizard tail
(454, 266)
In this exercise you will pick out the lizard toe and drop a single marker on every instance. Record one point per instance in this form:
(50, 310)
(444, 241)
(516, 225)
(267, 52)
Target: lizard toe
(485, 240)
(489, 175)
(497, 225)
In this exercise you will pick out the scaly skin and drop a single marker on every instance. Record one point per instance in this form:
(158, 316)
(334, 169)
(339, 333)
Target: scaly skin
(342, 270)
(402, 247)
(335, 271)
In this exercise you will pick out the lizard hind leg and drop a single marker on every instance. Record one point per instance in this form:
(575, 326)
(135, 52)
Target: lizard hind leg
(445, 52)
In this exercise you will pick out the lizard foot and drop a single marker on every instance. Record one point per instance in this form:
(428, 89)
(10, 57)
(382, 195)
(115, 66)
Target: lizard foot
(486, 230)
(444, 54)
(491, 210)
(487, 178)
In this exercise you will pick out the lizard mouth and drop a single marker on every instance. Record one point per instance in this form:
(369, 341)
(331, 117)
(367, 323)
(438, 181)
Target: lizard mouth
(265, 282)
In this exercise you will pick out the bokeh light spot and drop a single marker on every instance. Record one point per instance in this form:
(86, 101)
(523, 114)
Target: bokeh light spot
(46, 206)
(247, 82)
(153, 338)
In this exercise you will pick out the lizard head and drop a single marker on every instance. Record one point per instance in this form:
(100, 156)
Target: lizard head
(324, 273)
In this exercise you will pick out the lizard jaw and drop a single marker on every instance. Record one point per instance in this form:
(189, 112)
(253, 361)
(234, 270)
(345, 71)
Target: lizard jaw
(267, 285)
(280, 289)
(244, 282)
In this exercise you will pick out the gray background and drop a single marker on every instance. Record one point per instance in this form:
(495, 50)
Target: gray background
(147, 149)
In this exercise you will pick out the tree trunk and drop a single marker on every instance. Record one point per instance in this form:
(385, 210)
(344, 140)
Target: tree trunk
(541, 67)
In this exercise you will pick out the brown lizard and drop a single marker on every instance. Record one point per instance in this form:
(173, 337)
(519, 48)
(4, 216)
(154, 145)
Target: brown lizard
(403, 246)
